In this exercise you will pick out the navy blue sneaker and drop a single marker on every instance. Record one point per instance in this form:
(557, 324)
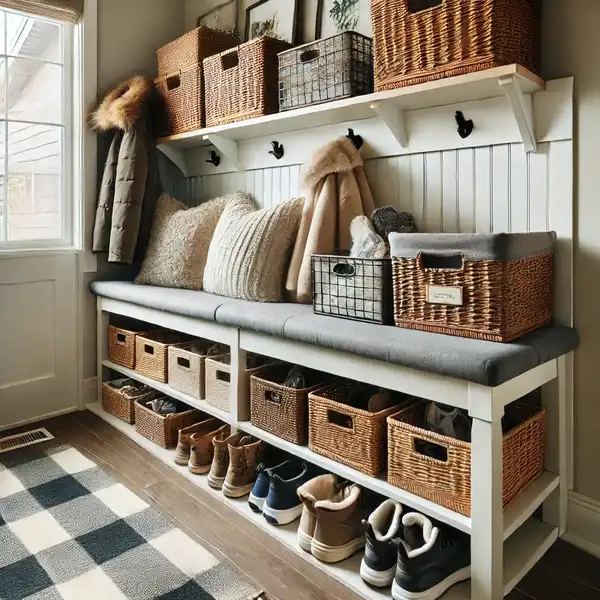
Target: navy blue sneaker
(283, 504)
(260, 491)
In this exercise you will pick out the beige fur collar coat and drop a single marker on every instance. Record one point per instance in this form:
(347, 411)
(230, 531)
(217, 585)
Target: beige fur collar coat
(337, 191)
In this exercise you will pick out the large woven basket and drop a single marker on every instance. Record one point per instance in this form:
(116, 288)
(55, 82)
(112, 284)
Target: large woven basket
(120, 401)
(279, 409)
(494, 287)
(448, 482)
(351, 436)
(163, 429)
(121, 345)
(333, 68)
(180, 83)
(420, 40)
(151, 352)
(186, 367)
(242, 83)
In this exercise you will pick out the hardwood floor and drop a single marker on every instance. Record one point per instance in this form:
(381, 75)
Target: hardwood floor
(565, 573)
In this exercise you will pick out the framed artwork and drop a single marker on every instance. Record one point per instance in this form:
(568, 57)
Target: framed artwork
(277, 18)
(336, 16)
(221, 17)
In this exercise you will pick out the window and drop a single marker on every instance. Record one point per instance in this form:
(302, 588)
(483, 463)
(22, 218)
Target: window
(36, 147)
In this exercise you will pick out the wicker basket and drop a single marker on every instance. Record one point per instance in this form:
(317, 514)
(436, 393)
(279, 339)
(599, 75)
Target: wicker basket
(186, 367)
(337, 67)
(278, 409)
(242, 83)
(119, 396)
(494, 287)
(151, 352)
(121, 345)
(420, 40)
(163, 429)
(448, 482)
(181, 81)
(349, 435)
(353, 288)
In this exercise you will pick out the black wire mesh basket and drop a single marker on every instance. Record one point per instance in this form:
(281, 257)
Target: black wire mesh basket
(337, 67)
(359, 289)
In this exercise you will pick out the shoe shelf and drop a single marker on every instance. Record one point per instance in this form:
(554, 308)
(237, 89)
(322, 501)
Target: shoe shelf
(521, 551)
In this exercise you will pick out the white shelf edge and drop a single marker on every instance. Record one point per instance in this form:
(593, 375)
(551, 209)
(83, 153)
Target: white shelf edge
(169, 391)
(521, 551)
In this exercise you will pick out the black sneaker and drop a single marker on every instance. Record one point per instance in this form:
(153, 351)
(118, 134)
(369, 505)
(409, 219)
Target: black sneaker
(260, 491)
(426, 571)
(382, 529)
(283, 504)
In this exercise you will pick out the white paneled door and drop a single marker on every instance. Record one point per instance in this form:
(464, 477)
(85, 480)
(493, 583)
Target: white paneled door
(38, 337)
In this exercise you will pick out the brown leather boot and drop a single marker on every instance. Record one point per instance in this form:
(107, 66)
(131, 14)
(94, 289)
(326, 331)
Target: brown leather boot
(182, 452)
(244, 456)
(201, 451)
(220, 462)
(319, 488)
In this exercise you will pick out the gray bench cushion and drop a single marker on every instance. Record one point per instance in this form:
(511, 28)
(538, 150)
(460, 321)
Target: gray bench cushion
(487, 363)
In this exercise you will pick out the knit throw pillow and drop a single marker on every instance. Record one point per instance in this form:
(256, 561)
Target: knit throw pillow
(179, 243)
(250, 251)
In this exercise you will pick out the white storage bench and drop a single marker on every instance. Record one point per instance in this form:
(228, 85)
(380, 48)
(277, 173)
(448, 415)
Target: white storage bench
(481, 377)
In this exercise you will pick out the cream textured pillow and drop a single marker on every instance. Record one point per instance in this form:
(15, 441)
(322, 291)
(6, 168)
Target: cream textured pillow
(250, 251)
(179, 243)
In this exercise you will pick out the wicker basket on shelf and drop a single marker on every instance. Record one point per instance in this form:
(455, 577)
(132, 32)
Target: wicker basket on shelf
(162, 429)
(420, 40)
(186, 367)
(241, 83)
(279, 409)
(180, 83)
(151, 358)
(448, 482)
(119, 396)
(349, 435)
(121, 345)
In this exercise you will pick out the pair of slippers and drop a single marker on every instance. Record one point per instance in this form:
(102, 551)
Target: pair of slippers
(370, 238)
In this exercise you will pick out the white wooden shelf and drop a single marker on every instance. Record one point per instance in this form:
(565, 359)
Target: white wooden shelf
(169, 391)
(521, 551)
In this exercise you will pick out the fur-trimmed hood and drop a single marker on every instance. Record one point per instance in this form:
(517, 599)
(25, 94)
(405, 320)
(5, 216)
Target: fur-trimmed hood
(122, 107)
(336, 157)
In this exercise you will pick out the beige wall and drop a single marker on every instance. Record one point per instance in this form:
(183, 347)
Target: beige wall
(571, 46)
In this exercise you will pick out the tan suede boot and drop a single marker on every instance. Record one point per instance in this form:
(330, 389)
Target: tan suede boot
(201, 451)
(182, 452)
(220, 462)
(244, 456)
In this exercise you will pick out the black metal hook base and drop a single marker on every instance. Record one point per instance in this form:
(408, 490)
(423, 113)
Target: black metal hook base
(277, 151)
(355, 139)
(465, 128)
(214, 159)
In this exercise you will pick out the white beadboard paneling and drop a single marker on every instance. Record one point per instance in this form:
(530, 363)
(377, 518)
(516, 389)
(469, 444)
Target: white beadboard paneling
(404, 202)
(433, 191)
(501, 188)
(466, 191)
(450, 175)
(519, 190)
(417, 176)
(483, 190)
(538, 189)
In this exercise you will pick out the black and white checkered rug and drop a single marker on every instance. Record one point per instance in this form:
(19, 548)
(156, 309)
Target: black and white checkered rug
(68, 531)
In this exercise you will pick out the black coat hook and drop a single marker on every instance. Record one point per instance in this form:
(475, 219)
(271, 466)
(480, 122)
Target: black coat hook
(277, 151)
(355, 139)
(214, 159)
(465, 128)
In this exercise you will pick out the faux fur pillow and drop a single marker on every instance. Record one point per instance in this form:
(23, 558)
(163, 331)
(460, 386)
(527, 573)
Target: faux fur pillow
(179, 243)
(250, 251)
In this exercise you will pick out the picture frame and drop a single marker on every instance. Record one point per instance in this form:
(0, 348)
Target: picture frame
(336, 16)
(222, 17)
(272, 17)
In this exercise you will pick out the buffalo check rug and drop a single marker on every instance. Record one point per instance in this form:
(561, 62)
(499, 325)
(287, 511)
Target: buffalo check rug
(69, 531)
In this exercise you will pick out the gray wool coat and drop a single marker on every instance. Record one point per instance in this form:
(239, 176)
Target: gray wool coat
(130, 184)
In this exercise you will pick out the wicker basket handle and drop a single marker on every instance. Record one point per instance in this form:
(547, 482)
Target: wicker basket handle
(230, 59)
(417, 6)
(273, 397)
(343, 270)
(418, 445)
(173, 81)
(183, 362)
(310, 55)
(340, 420)
(223, 376)
(441, 262)
(148, 349)
(121, 339)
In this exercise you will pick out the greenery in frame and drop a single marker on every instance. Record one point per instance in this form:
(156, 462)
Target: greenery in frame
(345, 14)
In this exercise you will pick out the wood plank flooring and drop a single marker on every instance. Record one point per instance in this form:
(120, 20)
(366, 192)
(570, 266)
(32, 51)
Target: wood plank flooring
(565, 573)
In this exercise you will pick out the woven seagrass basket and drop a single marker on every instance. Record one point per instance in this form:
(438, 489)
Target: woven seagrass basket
(448, 482)
(186, 367)
(120, 401)
(151, 352)
(241, 83)
(349, 435)
(162, 429)
(279, 409)
(420, 40)
(121, 345)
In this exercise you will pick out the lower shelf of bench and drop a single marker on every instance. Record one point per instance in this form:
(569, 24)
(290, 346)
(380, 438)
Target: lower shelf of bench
(521, 551)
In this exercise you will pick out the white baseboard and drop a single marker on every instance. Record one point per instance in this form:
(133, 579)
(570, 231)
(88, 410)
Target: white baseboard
(50, 415)
(583, 523)
(89, 391)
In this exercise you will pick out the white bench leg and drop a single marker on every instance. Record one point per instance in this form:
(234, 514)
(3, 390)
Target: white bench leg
(101, 345)
(487, 520)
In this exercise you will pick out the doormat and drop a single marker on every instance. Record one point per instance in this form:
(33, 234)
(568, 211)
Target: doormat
(69, 531)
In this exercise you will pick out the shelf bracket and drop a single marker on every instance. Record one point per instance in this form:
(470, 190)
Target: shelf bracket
(176, 156)
(521, 106)
(393, 117)
(226, 148)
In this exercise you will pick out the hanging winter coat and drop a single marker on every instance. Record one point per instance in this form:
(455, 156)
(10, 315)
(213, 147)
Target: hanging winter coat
(130, 183)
